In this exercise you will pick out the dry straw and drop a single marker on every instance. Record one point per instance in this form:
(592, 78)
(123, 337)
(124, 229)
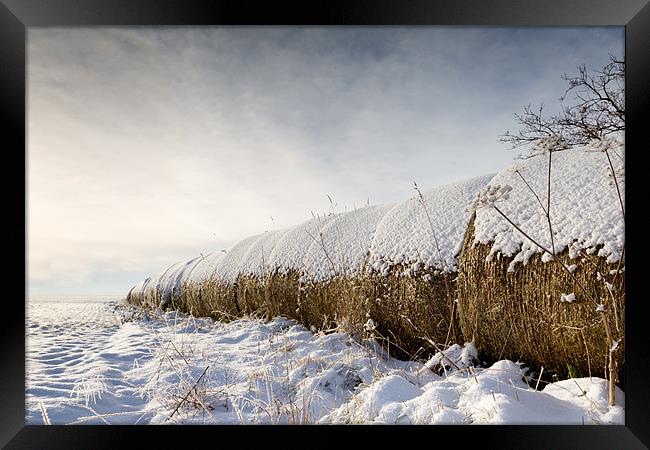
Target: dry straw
(522, 315)
(412, 309)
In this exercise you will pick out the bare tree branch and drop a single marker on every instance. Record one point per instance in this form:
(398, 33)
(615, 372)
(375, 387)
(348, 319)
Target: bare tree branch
(597, 110)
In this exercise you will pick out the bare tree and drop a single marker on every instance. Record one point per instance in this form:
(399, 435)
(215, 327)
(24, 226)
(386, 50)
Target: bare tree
(597, 111)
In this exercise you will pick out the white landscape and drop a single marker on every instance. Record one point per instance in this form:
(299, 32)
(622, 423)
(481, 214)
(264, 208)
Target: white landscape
(324, 226)
(89, 363)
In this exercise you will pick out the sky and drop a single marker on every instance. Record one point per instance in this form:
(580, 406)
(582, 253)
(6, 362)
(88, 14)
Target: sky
(150, 145)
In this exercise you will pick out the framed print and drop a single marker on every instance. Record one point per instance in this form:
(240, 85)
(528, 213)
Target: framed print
(344, 214)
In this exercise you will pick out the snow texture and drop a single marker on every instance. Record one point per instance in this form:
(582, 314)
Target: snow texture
(228, 267)
(407, 234)
(257, 259)
(88, 363)
(289, 251)
(343, 244)
(585, 209)
(205, 268)
(156, 283)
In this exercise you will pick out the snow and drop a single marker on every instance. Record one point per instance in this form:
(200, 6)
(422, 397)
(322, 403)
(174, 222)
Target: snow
(228, 267)
(343, 238)
(156, 283)
(406, 236)
(343, 244)
(85, 366)
(454, 356)
(569, 298)
(204, 268)
(585, 209)
(290, 250)
(171, 282)
(138, 289)
(256, 260)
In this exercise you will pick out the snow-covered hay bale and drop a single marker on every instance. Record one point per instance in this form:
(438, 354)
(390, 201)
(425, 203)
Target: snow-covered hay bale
(519, 303)
(171, 284)
(413, 263)
(253, 273)
(154, 288)
(136, 294)
(202, 294)
(333, 270)
(394, 264)
(284, 280)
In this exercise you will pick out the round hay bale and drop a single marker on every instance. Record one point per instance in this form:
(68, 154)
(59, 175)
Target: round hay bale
(200, 293)
(411, 309)
(251, 295)
(282, 294)
(136, 295)
(337, 302)
(520, 315)
(210, 298)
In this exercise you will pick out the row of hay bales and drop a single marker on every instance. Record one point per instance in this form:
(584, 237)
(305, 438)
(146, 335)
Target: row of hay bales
(432, 268)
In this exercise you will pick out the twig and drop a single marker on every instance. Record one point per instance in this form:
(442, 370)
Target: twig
(450, 300)
(531, 190)
(548, 202)
(188, 393)
(547, 251)
(587, 349)
(441, 352)
(539, 378)
(506, 341)
(46, 418)
(620, 198)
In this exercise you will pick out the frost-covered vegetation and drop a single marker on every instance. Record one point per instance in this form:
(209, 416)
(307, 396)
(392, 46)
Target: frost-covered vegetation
(130, 367)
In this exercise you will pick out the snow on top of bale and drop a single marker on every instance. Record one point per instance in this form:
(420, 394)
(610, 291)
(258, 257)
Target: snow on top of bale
(167, 279)
(405, 235)
(585, 209)
(228, 267)
(138, 289)
(180, 275)
(344, 245)
(155, 283)
(256, 260)
(290, 250)
(204, 268)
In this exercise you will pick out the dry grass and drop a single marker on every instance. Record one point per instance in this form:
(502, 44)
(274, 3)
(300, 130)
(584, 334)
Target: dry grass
(406, 309)
(209, 299)
(339, 302)
(282, 294)
(520, 315)
(410, 309)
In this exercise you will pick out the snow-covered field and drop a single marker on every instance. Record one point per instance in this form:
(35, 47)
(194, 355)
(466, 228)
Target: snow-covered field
(89, 364)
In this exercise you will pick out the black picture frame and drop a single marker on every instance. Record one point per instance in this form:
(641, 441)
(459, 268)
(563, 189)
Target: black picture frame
(18, 15)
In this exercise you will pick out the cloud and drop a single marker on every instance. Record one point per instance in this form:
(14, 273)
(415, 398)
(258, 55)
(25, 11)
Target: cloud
(149, 145)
